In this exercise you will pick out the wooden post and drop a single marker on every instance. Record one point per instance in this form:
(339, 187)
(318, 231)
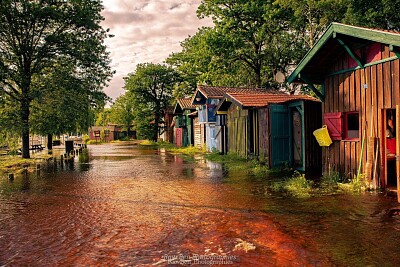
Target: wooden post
(398, 150)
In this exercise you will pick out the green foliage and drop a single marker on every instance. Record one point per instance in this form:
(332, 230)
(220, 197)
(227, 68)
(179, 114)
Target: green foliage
(85, 139)
(103, 117)
(126, 138)
(122, 111)
(148, 143)
(102, 135)
(49, 32)
(202, 61)
(380, 14)
(10, 140)
(356, 185)
(65, 101)
(329, 182)
(297, 186)
(235, 162)
(258, 34)
(312, 17)
(189, 150)
(151, 87)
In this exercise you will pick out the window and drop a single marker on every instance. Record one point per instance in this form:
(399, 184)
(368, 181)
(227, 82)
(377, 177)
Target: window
(352, 126)
(343, 126)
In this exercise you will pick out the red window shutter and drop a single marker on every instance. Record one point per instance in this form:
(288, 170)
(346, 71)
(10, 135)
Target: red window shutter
(334, 123)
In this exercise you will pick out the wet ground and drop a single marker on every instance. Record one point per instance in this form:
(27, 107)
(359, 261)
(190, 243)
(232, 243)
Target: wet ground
(124, 206)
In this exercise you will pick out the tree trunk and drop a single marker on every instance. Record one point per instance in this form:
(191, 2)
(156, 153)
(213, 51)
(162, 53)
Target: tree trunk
(258, 78)
(155, 129)
(25, 127)
(49, 141)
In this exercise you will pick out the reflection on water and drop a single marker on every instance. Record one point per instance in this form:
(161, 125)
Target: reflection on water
(121, 205)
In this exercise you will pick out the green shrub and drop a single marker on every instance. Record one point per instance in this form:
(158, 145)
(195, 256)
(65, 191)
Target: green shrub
(356, 185)
(85, 139)
(189, 150)
(148, 143)
(297, 185)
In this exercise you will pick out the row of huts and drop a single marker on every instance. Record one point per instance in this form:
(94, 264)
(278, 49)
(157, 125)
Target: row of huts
(354, 74)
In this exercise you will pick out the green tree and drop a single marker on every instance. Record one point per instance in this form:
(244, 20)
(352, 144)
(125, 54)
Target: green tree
(203, 61)
(65, 102)
(151, 87)
(103, 117)
(122, 112)
(37, 34)
(312, 17)
(253, 29)
(9, 125)
(378, 14)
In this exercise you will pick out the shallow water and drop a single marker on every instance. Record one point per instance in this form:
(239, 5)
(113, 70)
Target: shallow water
(125, 206)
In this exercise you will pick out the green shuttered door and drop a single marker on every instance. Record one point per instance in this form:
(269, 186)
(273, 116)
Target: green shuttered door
(279, 135)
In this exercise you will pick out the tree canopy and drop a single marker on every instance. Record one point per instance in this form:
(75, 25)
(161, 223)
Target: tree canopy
(35, 35)
(202, 61)
(255, 29)
(151, 87)
(122, 112)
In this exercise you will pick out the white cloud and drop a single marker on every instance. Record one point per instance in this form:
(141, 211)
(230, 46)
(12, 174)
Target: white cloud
(146, 31)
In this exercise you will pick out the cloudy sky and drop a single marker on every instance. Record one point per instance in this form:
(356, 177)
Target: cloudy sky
(146, 31)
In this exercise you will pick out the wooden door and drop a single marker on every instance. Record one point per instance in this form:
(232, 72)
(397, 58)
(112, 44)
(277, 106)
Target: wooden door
(297, 140)
(279, 135)
(178, 136)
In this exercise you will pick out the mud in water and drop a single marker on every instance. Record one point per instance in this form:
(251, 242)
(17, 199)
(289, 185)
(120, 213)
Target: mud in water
(121, 205)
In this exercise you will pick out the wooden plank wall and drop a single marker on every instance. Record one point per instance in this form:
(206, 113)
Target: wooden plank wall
(263, 133)
(197, 132)
(369, 91)
(313, 152)
(237, 130)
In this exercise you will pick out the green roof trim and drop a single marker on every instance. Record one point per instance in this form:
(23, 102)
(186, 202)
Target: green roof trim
(351, 53)
(379, 36)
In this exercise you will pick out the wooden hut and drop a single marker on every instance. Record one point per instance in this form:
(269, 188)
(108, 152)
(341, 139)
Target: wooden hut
(184, 122)
(107, 133)
(275, 127)
(166, 129)
(355, 71)
(206, 99)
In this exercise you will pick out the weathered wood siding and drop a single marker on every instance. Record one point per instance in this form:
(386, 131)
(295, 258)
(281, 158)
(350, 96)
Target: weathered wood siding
(221, 134)
(263, 133)
(197, 132)
(202, 134)
(368, 91)
(237, 130)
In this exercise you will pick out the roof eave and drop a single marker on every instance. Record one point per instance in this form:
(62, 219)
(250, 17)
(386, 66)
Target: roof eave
(294, 77)
(358, 32)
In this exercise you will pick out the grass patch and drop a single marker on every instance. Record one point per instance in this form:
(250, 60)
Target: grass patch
(235, 162)
(149, 143)
(356, 185)
(297, 186)
(189, 150)
(13, 163)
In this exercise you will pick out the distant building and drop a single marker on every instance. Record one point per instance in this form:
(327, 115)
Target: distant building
(111, 133)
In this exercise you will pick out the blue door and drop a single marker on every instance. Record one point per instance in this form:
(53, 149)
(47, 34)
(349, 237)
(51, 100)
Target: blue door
(280, 135)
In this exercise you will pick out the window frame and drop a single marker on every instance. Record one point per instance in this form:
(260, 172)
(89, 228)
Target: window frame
(346, 126)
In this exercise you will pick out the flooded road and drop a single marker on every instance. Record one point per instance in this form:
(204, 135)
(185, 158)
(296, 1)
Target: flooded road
(125, 206)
